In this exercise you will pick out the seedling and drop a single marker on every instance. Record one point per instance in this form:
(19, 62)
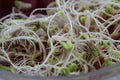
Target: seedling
(32, 63)
(22, 5)
(48, 42)
(67, 45)
(109, 62)
(115, 54)
(95, 53)
(106, 44)
(82, 20)
(1, 26)
(92, 7)
(53, 30)
(93, 35)
(64, 71)
(52, 61)
(36, 55)
(42, 25)
(84, 35)
(83, 55)
(72, 67)
(109, 9)
(61, 14)
(34, 27)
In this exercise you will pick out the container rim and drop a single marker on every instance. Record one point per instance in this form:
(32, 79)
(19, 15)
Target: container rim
(103, 73)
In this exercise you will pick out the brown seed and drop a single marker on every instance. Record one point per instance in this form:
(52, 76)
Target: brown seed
(115, 36)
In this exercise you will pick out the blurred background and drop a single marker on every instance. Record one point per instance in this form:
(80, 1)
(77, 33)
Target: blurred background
(26, 6)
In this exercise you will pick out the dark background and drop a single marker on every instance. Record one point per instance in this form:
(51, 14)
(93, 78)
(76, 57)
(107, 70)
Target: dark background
(6, 6)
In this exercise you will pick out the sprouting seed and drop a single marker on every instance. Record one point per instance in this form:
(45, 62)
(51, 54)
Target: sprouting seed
(82, 20)
(36, 55)
(83, 55)
(52, 61)
(61, 14)
(63, 71)
(34, 27)
(109, 9)
(67, 45)
(32, 63)
(72, 67)
(22, 5)
(84, 35)
(109, 62)
(42, 25)
(92, 7)
(1, 26)
(93, 35)
(115, 54)
(48, 42)
(53, 30)
(95, 53)
(106, 44)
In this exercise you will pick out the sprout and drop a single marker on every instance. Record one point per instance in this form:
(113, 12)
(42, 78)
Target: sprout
(52, 61)
(64, 71)
(72, 67)
(1, 26)
(48, 42)
(93, 35)
(67, 45)
(32, 63)
(115, 54)
(84, 35)
(42, 25)
(83, 55)
(34, 27)
(53, 30)
(109, 62)
(95, 53)
(22, 5)
(36, 55)
(92, 7)
(106, 44)
(109, 9)
(61, 14)
(30, 34)
(82, 20)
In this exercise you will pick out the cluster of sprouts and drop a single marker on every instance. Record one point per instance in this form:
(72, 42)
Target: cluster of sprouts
(76, 36)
